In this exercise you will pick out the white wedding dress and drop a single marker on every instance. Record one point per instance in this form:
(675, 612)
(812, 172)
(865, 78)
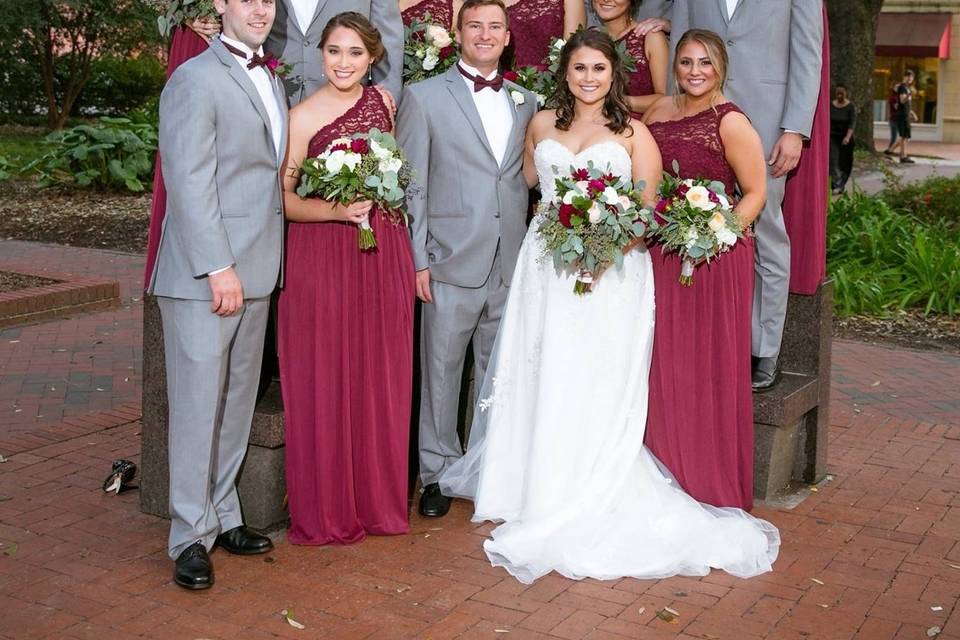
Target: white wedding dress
(556, 450)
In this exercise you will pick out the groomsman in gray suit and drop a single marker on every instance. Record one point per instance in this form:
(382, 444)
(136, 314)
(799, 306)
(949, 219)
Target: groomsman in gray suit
(223, 127)
(295, 38)
(463, 133)
(774, 76)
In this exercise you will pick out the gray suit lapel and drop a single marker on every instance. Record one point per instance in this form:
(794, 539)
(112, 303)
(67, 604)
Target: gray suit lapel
(458, 89)
(281, 97)
(515, 140)
(239, 74)
(722, 6)
(316, 14)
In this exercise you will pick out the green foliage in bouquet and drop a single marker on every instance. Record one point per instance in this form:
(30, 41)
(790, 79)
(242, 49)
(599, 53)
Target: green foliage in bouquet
(115, 154)
(176, 12)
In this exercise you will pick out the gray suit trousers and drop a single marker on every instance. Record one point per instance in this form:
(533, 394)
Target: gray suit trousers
(771, 287)
(456, 315)
(213, 368)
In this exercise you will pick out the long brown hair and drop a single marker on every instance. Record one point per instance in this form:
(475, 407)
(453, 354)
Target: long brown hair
(615, 107)
(716, 52)
(361, 25)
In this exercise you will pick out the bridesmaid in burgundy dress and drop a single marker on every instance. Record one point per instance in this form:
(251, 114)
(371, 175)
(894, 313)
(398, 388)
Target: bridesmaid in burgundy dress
(533, 23)
(700, 420)
(345, 322)
(442, 12)
(187, 42)
(648, 82)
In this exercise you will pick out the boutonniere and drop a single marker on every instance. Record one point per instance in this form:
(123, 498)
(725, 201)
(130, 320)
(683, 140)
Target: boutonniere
(517, 97)
(277, 66)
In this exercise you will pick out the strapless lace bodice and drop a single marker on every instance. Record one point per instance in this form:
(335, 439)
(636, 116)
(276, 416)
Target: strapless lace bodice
(553, 158)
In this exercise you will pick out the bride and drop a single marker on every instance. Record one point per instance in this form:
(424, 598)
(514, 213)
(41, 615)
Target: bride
(556, 451)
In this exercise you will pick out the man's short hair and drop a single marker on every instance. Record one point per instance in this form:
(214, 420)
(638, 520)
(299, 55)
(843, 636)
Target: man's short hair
(473, 4)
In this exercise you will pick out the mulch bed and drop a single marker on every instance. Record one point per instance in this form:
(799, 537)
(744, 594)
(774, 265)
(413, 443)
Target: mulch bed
(12, 281)
(120, 221)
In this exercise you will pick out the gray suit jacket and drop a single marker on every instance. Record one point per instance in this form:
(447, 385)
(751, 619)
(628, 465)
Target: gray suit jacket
(462, 204)
(301, 50)
(222, 173)
(775, 57)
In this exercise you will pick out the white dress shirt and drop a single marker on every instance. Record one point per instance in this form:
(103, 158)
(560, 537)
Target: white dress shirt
(304, 10)
(731, 7)
(263, 80)
(495, 109)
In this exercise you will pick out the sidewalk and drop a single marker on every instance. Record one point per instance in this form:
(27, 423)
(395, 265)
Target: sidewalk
(873, 554)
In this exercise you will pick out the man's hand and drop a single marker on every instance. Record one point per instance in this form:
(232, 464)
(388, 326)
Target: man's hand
(650, 25)
(786, 154)
(227, 293)
(387, 98)
(206, 28)
(423, 285)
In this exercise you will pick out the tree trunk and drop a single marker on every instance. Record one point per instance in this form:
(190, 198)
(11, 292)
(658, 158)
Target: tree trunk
(853, 33)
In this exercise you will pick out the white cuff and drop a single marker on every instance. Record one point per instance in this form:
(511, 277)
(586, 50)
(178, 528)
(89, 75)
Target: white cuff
(216, 271)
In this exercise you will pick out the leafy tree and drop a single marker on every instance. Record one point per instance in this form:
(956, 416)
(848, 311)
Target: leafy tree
(853, 34)
(61, 39)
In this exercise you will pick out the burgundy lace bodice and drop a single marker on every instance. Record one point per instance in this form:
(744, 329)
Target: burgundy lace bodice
(369, 111)
(639, 82)
(441, 12)
(533, 23)
(694, 142)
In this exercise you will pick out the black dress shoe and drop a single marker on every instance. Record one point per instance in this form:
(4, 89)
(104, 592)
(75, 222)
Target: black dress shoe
(433, 504)
(766, 374)
(193, 569)
(244, 541)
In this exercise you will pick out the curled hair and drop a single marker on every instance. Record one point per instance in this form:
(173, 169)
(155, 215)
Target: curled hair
(716, 53)
(361, 25)
(616, 111)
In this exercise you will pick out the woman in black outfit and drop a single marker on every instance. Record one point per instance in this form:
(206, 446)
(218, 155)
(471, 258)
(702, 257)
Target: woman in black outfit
(843, 116)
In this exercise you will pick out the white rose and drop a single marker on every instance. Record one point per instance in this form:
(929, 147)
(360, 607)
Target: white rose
(595, 213)
(569, 196)
(435, 34)
(699, 197)
(351, 160)
(334, 161)
(517, 97)
(430, 60)
(581, 187)
(692, 237)
(380, 152)
(726, 237)
(717, 222)
(624, 202)
(610, 196)
(541, 99)
(390, 164)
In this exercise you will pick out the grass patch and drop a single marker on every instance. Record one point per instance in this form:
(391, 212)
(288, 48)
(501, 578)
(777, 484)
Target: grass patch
(21, 145)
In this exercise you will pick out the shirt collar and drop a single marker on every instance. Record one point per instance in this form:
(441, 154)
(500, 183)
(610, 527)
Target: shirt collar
(242, 47)
(474, 71)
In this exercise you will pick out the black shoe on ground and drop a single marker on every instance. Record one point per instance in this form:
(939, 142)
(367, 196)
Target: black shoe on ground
(193, 569)
(766, 373)
(907, 160)
(888, 152)
(433, 504)
(244, 541)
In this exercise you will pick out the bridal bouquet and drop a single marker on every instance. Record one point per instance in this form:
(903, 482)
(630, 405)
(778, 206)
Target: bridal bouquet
(365, 166)
(593, 216)
(540, 80)
(428, 50)
(173, 13)
(696, 220)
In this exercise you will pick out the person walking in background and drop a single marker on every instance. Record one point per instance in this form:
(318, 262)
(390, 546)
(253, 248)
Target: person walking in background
(843, 117)
(893, 104)
(905, 114)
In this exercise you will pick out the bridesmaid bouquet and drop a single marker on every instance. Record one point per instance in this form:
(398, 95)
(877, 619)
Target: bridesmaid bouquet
(696, 220)
(173, 13)
(592, 218)
(540, 80)
(428, 50)
(364, 166)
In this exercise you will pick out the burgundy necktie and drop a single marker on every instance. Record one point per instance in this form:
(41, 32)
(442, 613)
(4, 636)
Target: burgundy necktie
(479, 83)
(256, 61)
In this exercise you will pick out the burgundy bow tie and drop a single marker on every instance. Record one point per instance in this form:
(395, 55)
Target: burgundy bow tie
(256, 61)
(496, 83)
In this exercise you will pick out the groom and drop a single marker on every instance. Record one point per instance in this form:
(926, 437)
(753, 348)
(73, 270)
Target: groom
(463, 133)
(223, 122)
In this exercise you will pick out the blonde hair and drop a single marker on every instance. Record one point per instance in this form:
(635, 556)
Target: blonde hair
(716, 53)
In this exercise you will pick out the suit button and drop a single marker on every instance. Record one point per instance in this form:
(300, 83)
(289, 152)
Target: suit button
(729, 43)
(306, 44)
(277, 211)
(496, 214)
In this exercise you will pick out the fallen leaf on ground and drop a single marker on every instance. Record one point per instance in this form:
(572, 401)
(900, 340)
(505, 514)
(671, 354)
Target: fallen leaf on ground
(641, 610)
(933, 631)
(936, 608)
(823, 606)
(11, 548)
(2, 459)
(816, 580)
(814, 489)
(668, 615)
(288, 615)
(501, 630)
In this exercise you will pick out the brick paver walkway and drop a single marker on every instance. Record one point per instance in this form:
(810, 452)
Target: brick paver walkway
(872, 555)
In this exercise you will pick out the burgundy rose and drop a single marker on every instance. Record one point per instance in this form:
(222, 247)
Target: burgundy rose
(581, 174)
(271, 62)
(567, 211)
(713, 197)
(596, 186)
(662, 205)
(510, 75)
(359, 145)
(446, 52)
(682, 190)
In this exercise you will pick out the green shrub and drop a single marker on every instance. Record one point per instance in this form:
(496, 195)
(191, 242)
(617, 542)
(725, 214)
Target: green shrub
(7, 168)
(114, 154)
(931, 200)
(119, 85)
(884, 259)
